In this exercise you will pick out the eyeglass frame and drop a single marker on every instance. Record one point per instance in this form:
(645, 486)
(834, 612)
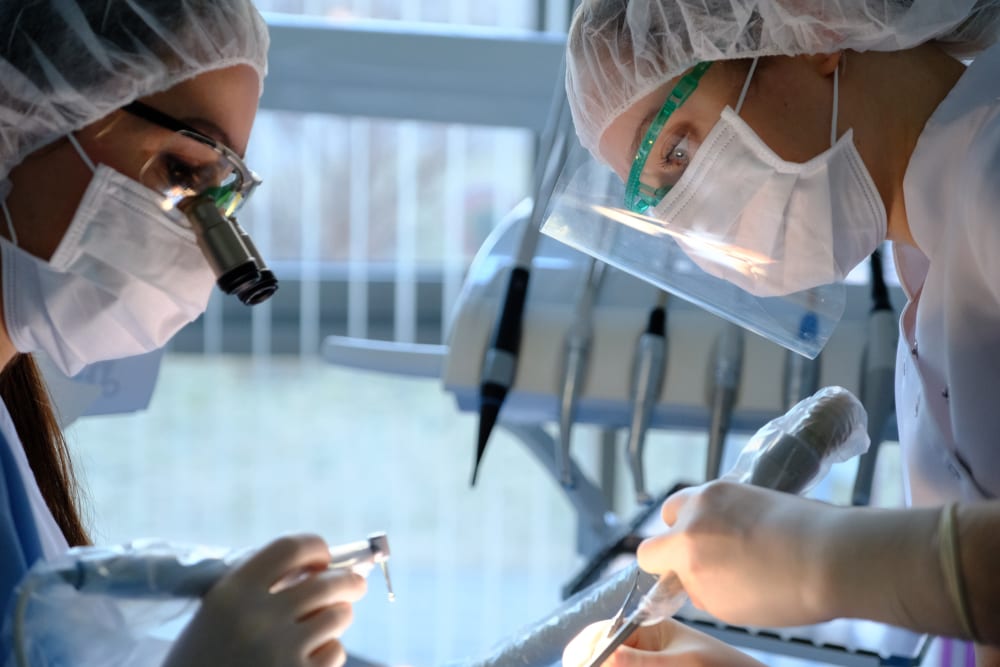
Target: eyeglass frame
(639, 197)
(248, 179)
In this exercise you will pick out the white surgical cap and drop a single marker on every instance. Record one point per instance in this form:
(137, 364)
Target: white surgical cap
(67, 63)
(620, 50)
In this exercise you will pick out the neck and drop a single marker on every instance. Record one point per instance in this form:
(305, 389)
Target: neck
(900, 92)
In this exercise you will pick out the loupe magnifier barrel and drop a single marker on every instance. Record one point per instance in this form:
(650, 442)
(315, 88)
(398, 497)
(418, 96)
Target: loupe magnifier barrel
(234, 258)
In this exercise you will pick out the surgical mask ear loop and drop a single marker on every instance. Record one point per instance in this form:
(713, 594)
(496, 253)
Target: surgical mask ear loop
(836, 106)
(10, 223)
(79, 149)
(746, 85)
(83, 156)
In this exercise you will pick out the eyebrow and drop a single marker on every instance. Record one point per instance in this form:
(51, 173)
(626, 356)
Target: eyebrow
(641, 131)
(209, 128)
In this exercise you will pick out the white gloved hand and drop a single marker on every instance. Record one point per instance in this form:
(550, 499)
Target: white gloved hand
(746, 555)
(255, 618)
(661, 645)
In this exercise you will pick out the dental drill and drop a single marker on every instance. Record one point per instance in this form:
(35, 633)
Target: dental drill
(576, 358)
(790, 463)
(878, 374)
(648, 372)
(159, 573)
(724, 378)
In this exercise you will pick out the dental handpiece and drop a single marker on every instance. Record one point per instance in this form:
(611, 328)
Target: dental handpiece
(576, 357)
(791, 463)
(647, 383)
(723, 386)
(878, 376)
(167, 576)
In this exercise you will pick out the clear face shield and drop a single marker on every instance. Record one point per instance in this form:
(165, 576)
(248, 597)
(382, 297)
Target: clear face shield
(209, 183)
(708, 222)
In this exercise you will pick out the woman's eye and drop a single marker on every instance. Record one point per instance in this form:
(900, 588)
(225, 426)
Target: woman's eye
(179, 173)
(678, 156)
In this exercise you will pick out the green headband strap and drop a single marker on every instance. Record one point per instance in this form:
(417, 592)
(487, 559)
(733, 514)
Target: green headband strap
(638, 197)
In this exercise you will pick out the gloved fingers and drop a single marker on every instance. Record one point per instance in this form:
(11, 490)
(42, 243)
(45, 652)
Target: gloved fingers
(662, 554)
(315, 631)
(591, 640)
(282, 557)
(331, 654)
(673, 505)
(322, 590)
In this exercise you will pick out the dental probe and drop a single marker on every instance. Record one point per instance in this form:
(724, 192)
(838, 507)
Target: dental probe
(649, 369)
(576, 358)
(790, 463)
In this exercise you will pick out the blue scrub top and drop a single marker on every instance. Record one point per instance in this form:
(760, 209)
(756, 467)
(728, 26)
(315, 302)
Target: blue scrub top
(20, 545)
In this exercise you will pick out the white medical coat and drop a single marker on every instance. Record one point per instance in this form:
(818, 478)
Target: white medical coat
(948, 361)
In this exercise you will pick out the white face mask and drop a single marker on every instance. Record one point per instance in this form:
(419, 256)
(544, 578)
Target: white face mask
(790, 226)
(125, 278)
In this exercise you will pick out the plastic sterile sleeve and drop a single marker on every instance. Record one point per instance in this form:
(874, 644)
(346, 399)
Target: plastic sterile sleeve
(793, 452)
(109, 607)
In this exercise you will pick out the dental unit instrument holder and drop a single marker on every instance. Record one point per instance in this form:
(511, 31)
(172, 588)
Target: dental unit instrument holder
(158, 573)
(576, 355)
(829, 427)
(725, 374)
(648, 373)
(878, 378)
(499, 367)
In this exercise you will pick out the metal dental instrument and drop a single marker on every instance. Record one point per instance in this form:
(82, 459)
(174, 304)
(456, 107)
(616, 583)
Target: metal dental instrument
(790, 463)
(649, 369)
(500, 362)
(622, 614)
(576, 357)
(723, 385)
(878, 375)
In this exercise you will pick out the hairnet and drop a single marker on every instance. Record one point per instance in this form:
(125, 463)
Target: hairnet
(620, 51)
(67, 63)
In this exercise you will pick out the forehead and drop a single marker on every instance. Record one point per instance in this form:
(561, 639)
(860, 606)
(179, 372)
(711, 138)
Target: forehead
(226, 98)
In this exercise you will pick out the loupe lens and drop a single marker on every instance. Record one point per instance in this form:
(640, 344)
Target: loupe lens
(261, 290)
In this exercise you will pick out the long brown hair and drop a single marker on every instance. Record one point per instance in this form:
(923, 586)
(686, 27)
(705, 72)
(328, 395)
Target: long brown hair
(23, 392)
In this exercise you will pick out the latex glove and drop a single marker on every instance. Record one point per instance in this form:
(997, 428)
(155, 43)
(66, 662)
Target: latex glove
(666, 644)
(265, 613)
(746, 555)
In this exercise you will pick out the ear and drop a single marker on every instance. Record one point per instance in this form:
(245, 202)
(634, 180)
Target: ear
(825, 64)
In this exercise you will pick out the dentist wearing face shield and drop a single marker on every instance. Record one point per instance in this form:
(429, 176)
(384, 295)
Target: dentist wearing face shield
(114, 116)
(763, 149)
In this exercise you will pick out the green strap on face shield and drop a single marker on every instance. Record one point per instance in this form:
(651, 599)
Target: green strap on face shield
(639, 197)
